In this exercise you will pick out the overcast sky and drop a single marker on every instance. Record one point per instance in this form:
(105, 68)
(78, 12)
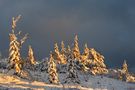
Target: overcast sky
(106, 25)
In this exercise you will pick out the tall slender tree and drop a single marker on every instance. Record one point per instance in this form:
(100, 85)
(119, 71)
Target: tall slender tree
(85, 55)
(84, 59)
(56, 54)
(63, 49)
(52, 70)
(72, 75)
(86, 50)
(60, 58)
(15, 60)
(76, 50)
(69, 52)
(31, 57)
(125, 67)
(63, 53)
(68, 49)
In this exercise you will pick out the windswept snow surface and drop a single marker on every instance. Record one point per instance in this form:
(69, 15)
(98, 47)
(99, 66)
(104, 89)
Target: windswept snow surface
(87, 83)
(40, 81)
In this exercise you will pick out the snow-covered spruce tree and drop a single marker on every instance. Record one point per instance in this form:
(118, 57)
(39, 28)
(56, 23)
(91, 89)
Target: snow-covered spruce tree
(75, 50)
(68, 49)
(86, 51)
(63, 53)
(31, 57)
(15, 61)
(63, 49)
(60, 59)
(63, 58)
(97, 66)
(52, 70)
(56, 48)
(86, 55)
(125, 67)
(68, 52)
(84, 58)
(125, 75)
(124, 72)
(72, 76)
(56, 54)
(30, 62)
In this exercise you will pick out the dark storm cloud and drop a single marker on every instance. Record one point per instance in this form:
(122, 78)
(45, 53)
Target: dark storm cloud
(105, 25)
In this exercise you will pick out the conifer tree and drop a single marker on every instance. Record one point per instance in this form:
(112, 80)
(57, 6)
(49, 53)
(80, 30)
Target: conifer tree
(63, 49)
(60, 58)
(52, 70)
(84, 59)
(15, 60)
(85, 55)
(86, 50)
(125, 75)
(56, 54)
(72, 75)
(97, 58)
(63, 53)
(31, 57)
(56, 48)
(98, 65)
(68, 52)
(76, 51)
(68, 49)
(125, 67)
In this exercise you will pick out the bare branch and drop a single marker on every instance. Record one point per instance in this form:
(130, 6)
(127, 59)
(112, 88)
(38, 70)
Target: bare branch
(24, 38)
(14, 21)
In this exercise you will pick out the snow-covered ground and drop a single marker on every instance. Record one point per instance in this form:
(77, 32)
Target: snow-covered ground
(88, 82)
(12, 82)
(40, 81)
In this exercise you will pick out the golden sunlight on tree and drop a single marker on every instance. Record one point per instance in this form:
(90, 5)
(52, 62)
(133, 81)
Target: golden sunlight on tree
(31, 57)
(76, 50)
(52, 70)
(67, 65)
(15, 60)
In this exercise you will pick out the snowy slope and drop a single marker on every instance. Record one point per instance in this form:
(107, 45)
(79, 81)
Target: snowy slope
(92, 83)
(99, 83)
(40, 81)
